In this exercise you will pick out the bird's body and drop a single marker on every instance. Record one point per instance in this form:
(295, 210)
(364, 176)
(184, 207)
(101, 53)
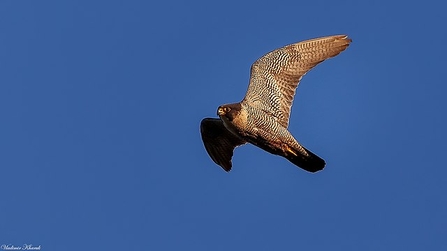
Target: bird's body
(262, 117)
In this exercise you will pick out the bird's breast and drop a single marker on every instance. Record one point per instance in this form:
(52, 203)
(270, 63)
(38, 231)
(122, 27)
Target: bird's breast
(238, 125)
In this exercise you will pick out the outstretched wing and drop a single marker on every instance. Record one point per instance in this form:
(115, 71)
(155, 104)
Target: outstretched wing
(219, 142)
(275, 76)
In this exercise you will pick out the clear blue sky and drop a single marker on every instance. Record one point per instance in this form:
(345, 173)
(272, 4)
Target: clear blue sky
(101, 101)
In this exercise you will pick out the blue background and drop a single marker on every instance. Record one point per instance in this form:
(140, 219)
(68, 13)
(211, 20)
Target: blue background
(101, 101)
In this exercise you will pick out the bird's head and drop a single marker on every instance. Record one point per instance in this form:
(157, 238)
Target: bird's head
(222, 110)
(229, 111)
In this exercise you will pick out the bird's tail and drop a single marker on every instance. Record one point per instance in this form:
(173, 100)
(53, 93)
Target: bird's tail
(307, 161)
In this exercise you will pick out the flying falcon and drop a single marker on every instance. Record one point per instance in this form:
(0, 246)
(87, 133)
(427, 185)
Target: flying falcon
(262, 117)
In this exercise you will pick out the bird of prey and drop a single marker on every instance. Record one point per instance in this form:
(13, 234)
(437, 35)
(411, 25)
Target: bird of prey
(262, 117)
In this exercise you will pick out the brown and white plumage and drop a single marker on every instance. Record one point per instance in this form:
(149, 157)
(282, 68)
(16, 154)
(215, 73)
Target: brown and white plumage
(262, 117)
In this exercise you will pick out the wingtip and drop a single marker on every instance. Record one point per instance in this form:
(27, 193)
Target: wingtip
(226, 168)
(342, 38)
(346, 38)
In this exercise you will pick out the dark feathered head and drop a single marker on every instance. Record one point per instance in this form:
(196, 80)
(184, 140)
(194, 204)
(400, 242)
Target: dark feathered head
(230, 111)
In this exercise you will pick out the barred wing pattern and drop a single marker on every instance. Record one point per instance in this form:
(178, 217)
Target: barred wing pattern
(276, 75)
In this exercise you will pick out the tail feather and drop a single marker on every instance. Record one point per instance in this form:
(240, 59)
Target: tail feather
(311, 162)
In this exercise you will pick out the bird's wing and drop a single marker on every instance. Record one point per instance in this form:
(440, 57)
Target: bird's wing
(219, 142)
(275, 76)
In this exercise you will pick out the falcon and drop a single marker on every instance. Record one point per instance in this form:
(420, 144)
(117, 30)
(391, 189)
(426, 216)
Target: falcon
(262, 117)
